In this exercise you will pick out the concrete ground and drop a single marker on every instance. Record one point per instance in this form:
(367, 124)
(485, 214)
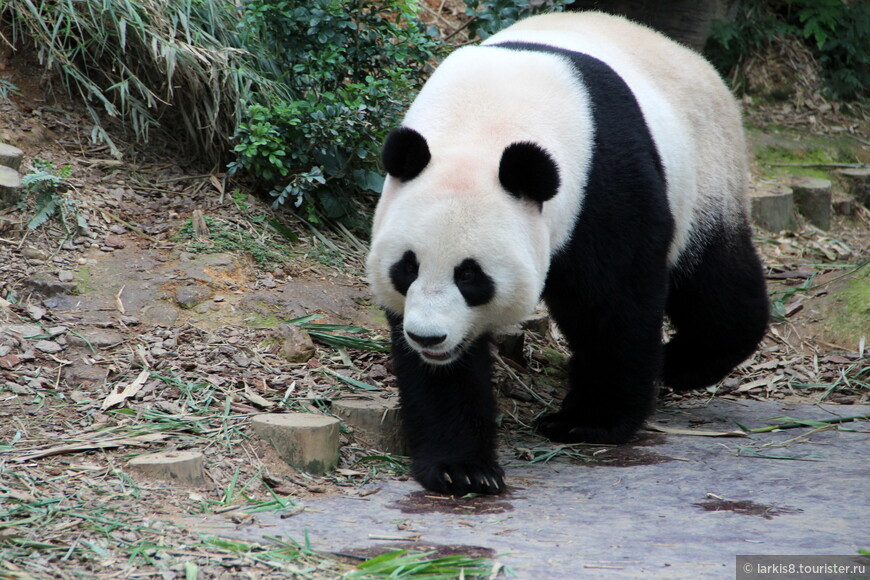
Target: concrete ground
(671, 506)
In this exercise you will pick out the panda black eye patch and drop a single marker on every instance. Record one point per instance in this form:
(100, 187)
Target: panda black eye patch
(474, 284)
(404, 272)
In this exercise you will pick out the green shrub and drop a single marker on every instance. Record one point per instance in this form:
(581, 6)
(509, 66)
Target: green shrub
(350, 68)
(490, 16)
(837, 32)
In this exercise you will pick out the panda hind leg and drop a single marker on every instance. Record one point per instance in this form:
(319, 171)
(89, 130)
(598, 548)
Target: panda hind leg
(720, 312)
(617, 358)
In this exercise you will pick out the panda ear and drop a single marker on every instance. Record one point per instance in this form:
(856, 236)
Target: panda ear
(528, 171)
(405, 153)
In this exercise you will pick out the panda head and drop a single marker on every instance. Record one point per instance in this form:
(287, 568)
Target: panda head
(459, 244)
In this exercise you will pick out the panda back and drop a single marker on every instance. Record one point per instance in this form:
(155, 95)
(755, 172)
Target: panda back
(693, 118)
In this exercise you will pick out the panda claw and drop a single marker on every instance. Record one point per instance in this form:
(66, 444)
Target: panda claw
(447, 478)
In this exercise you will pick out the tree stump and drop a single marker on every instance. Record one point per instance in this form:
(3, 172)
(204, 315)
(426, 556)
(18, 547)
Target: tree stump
(858, 183)
(306, 441)
(812, 196)
(185, 467)
(11, 156)
(842, 204)
(773, 210)
(377, 421)
(10, 187)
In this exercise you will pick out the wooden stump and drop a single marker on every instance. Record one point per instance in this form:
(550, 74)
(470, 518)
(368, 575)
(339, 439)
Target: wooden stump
(377, 421)
(812, 196)
(10, 187)
(11, 156)
(306, 441)
(842, 204)
(858, 183)
(185, 467)
(773, 211)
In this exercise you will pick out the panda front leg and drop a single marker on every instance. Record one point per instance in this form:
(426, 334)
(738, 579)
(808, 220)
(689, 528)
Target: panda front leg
(617, 357)
(449, 417)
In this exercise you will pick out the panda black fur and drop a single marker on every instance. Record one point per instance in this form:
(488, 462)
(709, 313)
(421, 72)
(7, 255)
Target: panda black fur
(586, 160)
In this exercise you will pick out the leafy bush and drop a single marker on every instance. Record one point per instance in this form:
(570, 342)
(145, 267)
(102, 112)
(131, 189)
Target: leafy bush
(350, 68)
(836, 32)
(490, 16)
(299, 93)
(173, 65)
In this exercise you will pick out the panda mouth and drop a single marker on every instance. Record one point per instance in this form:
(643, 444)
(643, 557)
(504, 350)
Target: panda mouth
(442, 357)
(438, 357)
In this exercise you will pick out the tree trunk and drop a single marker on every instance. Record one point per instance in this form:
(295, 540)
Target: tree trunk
(686, 21)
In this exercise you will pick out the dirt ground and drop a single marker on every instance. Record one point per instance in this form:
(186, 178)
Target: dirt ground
(117, 289)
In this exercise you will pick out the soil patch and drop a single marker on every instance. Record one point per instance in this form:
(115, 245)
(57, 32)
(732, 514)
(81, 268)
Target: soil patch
(426, 502)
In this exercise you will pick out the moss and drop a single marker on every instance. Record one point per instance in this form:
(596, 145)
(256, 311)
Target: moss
(83, 282)
(848, 310)
(263, 320)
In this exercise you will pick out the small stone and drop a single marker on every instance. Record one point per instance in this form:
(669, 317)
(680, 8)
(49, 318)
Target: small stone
(115, 241)
(158, 351)
(190, 296)
(117, 229)
(65, 276)
(47, 346)
(18, 389)
(104, 248)
(32, 253)
(35, 312)
(296, 344)
(96, 337)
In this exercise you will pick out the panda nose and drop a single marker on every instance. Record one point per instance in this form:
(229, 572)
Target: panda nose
(427, 340)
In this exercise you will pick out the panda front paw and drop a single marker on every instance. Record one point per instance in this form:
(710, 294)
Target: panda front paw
(566, 428)
(460, 478)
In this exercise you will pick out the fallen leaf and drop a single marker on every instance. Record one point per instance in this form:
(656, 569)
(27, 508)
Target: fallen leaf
(117, 396)
(695, 432)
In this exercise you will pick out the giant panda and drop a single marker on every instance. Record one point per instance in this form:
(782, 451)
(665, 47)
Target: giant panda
(586, 160)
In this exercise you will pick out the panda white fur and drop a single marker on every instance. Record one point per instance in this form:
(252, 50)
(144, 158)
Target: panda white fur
(587, 160)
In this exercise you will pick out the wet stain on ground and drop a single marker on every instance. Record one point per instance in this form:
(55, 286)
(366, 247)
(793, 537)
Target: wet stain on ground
(628, 455)
(426, 502)
(746, 507)
(435, 550)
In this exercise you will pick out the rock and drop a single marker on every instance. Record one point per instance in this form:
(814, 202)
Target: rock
(191, 295)
(184, 467)
(115, 241)
(32, 253)
(296, 345)
(79, 373)
(65, 276)
(47, 346)
(35, 312)
(46, 285)
(773, 211)
(306, 441)
(377, 421)
(96, 337)
(25, 330)
(812, 196)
